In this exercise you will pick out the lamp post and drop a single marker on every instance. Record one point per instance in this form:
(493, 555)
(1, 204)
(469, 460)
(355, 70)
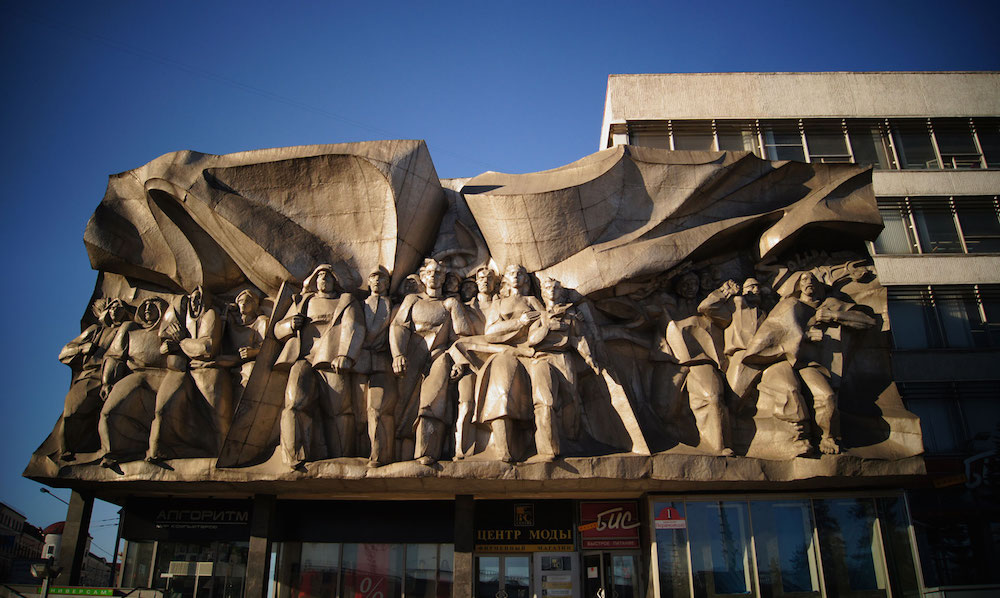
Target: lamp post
(49, 492)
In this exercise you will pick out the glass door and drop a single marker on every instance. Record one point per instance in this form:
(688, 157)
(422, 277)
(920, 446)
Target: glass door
(503, 576)
(610, 575)
(555, 575)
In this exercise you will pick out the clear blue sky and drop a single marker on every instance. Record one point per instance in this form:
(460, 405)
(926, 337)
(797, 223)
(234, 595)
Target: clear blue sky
(94, 88)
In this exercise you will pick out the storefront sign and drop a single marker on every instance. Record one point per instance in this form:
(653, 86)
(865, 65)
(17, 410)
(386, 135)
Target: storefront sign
(159, 519)
(670, 518)
(539, 526)
(81, 591)
(609, 524)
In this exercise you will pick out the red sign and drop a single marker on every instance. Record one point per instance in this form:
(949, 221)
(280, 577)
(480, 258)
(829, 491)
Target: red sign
(669, 518)
(609, 524)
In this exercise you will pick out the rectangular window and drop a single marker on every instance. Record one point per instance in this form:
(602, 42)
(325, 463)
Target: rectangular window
(912, 318)
(914, 148)
(869, 143)
(736, 135)
(649, 134)
(782, 140)
(956, 143)
(786, 555)
(935, 225)
(670, 523)
(979, 218)
(957, 317)
(370, 568)
(693, 135)
(826, 141)
(988, 133)
(720, 548)
(852, 558)
(897, 235)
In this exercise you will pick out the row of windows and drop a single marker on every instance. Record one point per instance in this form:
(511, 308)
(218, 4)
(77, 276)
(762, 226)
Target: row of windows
(955, 417)
(962, 224)
(896, 143)
(954, 317)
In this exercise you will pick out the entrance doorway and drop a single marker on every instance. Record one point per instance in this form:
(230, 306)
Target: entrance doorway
(610, 575)
(556, 575)
(503, 576)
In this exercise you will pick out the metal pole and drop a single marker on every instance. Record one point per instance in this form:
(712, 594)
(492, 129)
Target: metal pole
(114, 556)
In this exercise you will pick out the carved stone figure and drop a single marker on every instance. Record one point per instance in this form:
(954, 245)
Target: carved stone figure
(696, 343)
(374, 370)
(133, 373)
(244, 335)
(85, 354)
(792, 340)
(476, 308)
(323, 333)
(424, 328)
(740, 316)
(191, 417)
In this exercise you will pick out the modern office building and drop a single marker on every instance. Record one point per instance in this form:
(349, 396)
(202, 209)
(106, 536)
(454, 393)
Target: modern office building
(619, 447)
(933, 139)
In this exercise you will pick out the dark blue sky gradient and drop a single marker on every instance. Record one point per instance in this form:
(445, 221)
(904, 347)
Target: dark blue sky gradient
(95, 88)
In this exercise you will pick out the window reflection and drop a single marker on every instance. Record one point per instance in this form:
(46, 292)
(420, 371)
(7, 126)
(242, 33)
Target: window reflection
(671, 548)
(851, 552)
(720, 548)
(786, 556)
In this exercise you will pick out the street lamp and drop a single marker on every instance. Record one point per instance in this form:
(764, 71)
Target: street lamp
(49, 492)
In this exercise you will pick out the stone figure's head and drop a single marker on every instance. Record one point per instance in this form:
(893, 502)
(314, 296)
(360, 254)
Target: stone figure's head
(196, 301)
(452, 283)
(467, 291)
(687, 285)
(751, 291)
(809, 288)
(432, 276)
(553, 292)
(150, 312)
(486, 281)
(248, 305)
(412, 284)
(378, 281)
(113, 313)
(322, 280)
(710, 278)
(516, 280)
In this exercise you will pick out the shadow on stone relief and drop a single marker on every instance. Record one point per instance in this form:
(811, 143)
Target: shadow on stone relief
(339, 302)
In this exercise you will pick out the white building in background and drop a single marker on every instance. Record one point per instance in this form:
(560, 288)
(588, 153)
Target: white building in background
(933, 139)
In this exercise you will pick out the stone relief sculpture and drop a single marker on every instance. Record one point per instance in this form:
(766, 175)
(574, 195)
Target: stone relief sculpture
(665, 338)
(323, 333)
(86, 394)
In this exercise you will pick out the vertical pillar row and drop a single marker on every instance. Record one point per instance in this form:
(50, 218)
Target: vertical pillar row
(464, 543)
(259, 557)
(73, 549)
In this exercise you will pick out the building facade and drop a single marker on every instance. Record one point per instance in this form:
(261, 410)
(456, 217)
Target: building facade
(662, 370)
(933, 140)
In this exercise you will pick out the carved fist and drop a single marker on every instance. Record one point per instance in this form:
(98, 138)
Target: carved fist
(730, 288)
(169, 345)
(173, 330)
(528, 317)
(298, 321)
(457, 370)
(248, 352)
(341, 364)
(399, 365)
(814, 334)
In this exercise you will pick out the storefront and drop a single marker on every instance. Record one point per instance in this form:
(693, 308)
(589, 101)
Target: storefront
(846, 544)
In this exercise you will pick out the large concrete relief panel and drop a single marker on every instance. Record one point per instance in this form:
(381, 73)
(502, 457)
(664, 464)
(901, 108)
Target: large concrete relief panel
(335, 310)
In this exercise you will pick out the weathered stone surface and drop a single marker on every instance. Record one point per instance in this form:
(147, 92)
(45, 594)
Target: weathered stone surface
(639, 317)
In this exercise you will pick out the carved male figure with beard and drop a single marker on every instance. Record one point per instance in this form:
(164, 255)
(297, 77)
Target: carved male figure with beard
(423, 330)
(85, 353)
(323, 332)
(182, 417)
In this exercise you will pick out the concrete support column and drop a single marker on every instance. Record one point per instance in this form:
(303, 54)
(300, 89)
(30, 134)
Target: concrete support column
(464, 544)
(259, 558)
(73, 549)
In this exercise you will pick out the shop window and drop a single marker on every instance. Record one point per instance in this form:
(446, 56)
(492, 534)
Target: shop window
(782, 140)
(693, 135)
(371, 568)
(421, 571)
(914, 147)
(670, 524)
(869, 143)
(898, 550)
(988, 134)
(851, 553)
(319, 570)
(826, 141)
(720, 548)
(786, 555)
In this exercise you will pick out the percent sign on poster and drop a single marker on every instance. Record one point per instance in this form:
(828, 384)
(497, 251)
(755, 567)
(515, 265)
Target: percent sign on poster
(370, 588)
